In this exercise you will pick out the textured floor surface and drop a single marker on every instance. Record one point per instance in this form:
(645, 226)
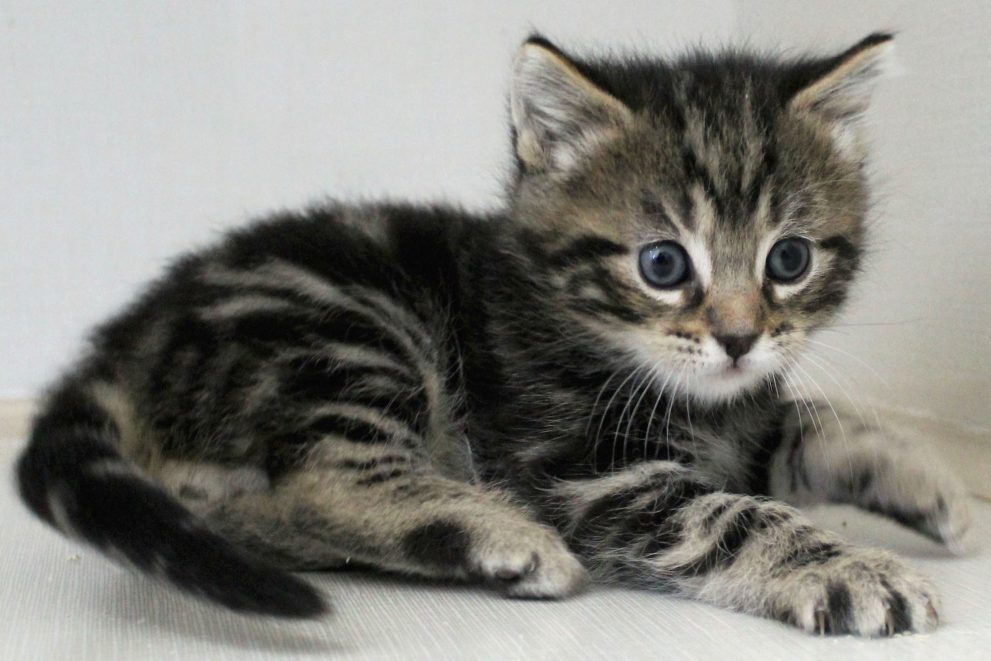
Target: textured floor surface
(60, 601)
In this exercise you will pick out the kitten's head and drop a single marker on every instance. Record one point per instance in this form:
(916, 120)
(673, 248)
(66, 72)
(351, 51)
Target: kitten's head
(703, 215)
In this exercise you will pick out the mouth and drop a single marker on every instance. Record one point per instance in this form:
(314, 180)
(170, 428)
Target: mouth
(732, 370)
(733, 378)
(726, 381)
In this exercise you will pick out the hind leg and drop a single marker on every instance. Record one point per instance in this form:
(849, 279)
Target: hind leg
(391, 512)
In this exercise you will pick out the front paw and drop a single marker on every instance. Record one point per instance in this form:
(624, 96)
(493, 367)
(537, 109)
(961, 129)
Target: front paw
(527, 559)
(933, 503)
(857, 591)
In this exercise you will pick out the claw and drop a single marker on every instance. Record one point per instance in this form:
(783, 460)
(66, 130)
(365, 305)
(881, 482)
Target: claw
(822, 622)
(931, 612)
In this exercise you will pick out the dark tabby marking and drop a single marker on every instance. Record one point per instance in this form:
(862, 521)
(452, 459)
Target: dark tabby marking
(901, 618)
(441, 544)
(507, 397)
(840, 605)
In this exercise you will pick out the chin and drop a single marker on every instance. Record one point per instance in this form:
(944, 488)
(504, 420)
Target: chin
(725, 384)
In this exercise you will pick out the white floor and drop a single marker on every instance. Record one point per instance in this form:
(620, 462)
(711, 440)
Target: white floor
(59, 601)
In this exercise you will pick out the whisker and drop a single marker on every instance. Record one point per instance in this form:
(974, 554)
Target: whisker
(653, 412)
(902, 322)
(645, 386)
(824, 368)
(595, 404)
(863, 362)
(798, 411)
(839, 422)
(619, 421)
(674, 394)
(803, 394)
(860, 413)
(608, 407)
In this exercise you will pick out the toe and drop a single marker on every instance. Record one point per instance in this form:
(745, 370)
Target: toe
(515, 571)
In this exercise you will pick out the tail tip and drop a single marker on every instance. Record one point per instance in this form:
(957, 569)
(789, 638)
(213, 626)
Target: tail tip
(308, 604)
(289, 598)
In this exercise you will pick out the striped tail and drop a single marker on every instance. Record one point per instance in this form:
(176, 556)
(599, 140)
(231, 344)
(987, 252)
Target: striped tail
(72, 476)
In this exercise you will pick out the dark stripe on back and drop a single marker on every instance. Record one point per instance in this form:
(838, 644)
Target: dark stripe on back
(318, 378)
(288, 327)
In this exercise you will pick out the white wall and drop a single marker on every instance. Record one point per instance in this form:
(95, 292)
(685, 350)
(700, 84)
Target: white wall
(132, 130)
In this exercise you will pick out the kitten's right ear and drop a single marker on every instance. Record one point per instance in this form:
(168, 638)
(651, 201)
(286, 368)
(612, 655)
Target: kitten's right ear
(559, 115)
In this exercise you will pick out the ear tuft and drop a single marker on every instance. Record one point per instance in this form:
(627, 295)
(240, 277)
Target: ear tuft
(537, 39)
(841, 87)
(559, 115)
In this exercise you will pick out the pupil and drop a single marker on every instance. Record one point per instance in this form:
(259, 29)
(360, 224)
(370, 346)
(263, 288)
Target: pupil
(663, 263)
(789, 258)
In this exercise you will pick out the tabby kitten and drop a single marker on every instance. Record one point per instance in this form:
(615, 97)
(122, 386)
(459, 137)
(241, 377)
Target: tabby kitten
(590, 382)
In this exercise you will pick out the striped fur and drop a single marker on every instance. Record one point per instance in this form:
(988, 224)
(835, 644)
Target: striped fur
(505, 397)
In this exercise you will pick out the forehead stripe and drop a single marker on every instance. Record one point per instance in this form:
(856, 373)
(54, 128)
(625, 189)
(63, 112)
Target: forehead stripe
(655, 210)
(698, 172)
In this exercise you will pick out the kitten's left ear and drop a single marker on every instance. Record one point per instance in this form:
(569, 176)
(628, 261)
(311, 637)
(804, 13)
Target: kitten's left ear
(838, 89)
(559, 115)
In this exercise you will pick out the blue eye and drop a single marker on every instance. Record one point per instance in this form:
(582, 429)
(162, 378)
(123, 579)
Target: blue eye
(788, 260)
(664, 264)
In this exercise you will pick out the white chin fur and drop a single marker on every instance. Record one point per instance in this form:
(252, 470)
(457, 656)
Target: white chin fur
(712, 381)
(724, 385)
